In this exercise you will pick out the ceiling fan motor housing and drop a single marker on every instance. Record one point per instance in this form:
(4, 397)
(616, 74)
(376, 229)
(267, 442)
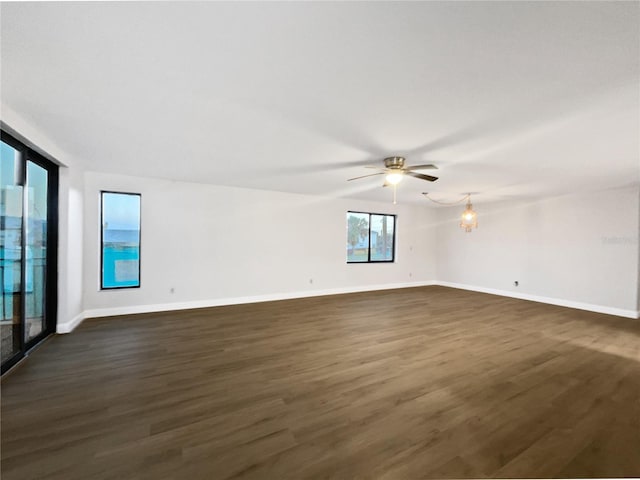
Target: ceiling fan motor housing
(394, 162)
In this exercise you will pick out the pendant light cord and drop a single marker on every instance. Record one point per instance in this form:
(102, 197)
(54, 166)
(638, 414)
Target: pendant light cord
(467, 196)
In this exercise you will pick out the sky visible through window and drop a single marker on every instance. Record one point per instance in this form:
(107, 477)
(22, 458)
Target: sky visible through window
(121, 211)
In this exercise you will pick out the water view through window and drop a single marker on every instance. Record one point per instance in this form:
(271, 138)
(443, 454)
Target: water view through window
(120, 240)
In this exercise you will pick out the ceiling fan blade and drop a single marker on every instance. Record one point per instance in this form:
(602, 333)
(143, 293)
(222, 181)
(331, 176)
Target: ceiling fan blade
(421, 167)
(372, 166)
(428, 178)
(364, 176)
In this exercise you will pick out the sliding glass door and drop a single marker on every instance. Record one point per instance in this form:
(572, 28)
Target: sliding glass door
(11, 251)
(28, 249)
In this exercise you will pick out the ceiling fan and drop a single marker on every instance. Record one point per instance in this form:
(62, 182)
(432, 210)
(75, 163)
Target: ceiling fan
(395, 170)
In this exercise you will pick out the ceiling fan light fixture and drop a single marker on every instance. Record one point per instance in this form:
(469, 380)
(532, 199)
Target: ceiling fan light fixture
(394, 178)
(395, 170)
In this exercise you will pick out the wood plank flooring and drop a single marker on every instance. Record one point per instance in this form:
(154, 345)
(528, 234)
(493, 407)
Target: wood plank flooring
(426, 382)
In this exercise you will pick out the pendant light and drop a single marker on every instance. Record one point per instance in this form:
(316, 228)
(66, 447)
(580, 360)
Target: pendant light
(469, 218)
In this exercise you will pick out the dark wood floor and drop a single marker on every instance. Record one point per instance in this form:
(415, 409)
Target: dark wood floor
(401, 384)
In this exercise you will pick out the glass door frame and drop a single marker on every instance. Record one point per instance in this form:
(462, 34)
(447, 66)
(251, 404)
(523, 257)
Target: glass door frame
(51, 276)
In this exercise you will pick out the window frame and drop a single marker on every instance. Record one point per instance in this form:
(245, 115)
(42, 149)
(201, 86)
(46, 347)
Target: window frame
(393, 243)
(102, 287)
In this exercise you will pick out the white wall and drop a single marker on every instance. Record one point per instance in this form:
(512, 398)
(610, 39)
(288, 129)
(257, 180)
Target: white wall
(638, 250)
(216, 245)
(578, 250)
(70, 245)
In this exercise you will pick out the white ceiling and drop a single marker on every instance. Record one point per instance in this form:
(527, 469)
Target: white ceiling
(508, 99)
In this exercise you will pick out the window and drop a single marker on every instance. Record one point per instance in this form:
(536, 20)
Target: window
(371, 237)
(120, 240)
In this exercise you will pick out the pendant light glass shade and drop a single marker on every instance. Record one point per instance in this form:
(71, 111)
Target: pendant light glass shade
(469, 218)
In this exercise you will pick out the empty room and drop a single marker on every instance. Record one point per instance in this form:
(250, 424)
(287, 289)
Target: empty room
(265, 240)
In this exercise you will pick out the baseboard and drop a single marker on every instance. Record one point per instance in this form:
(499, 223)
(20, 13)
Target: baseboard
(619, 312)
(67, 327)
